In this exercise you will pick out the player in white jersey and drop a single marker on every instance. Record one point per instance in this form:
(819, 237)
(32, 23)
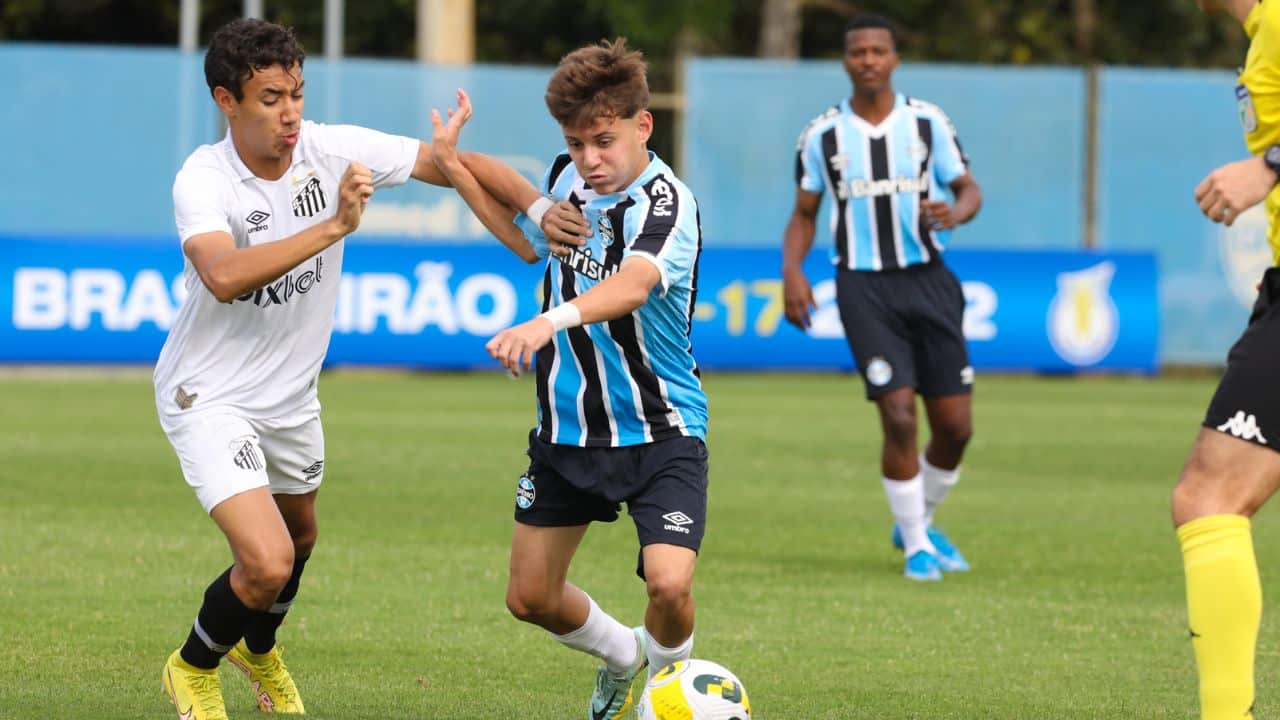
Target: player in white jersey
(885, 158)
(261, 216)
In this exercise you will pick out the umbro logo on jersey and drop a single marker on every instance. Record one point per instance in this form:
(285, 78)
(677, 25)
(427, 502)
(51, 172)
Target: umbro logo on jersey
(309, 199)
(246, 455)
(257, 221)
(677, 522)
(1244, 427)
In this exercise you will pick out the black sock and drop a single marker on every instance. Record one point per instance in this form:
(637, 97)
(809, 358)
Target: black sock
(218, 627)
(260, 633)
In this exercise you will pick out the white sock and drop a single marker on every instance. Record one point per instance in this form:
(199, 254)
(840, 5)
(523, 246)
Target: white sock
(937, 483)
(661, 656)
(906, 502)
(606, 638)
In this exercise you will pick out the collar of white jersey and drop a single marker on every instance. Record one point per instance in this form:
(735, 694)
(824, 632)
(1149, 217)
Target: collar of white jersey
(899, 102)
(242, 171)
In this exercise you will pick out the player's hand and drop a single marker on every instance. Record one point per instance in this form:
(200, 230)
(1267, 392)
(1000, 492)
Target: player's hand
(354, 190)
(938, 214)
(798, 298)
(565, 228)
(1234, 188)
(516, 346)
(444, 135)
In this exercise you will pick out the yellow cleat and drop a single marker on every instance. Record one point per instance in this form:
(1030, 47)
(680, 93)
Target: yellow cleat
(272, 683)
(195, 693)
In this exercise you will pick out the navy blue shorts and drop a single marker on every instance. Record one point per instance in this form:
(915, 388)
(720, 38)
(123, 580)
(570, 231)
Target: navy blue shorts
(905, 328)
(664, 485)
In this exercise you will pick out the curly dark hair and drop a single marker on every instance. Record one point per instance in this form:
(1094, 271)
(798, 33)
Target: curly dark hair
(604, 80)
(244, 46)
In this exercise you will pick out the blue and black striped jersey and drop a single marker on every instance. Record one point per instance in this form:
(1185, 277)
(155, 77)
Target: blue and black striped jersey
(876, 176)
(632, 380)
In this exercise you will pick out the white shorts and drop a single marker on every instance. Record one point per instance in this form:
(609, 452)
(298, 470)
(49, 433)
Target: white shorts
(224, 454)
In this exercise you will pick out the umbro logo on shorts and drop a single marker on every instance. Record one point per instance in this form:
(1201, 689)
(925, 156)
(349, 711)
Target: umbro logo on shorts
(1244, 427)
(312, 472)
(677, 522)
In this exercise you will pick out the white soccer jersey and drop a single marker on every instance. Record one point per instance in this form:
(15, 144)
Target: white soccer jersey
(259, 355)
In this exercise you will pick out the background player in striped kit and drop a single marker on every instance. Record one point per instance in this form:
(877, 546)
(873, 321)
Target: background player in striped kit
(885, 159)
(1233, 467)
(621, 412)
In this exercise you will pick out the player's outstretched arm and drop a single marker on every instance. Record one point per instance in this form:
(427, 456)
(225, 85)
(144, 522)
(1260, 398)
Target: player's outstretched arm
(797, 241)
(492, 213)
(611, 298)
(229, 272)
(502, 184)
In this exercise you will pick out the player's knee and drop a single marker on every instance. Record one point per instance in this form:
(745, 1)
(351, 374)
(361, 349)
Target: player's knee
(529, 604)
(955, 433)
(1203, 489)
(265, 575)
(900, 425)
(668, 592)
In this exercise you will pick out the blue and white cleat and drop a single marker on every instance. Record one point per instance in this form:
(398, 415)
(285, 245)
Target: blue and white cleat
(922, 566)
(949, 557)
(613, 697)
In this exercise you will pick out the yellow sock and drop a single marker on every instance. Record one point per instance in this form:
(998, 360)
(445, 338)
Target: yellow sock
(1224, 607)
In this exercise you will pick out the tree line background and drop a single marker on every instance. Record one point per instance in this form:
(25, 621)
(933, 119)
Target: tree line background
(1172, 33)
(1039, 32)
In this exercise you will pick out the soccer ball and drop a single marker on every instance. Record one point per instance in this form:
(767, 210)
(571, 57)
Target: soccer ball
(694, 690)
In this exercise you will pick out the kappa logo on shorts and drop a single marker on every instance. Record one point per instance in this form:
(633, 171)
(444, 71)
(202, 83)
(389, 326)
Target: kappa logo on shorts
(1244, 427)
(312, 472)
(879, 371)
(966, 375)
(677, 521)
(246, 455)
(526, 493)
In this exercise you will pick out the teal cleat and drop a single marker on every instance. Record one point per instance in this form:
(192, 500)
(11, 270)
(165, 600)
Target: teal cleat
(922, 566)
(613, 697)
(949, 558)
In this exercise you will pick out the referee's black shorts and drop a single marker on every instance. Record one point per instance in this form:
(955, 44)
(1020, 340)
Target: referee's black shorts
(1247, 402)
(905, 328)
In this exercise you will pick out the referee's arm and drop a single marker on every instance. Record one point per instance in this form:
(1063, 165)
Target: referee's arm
(797, 241)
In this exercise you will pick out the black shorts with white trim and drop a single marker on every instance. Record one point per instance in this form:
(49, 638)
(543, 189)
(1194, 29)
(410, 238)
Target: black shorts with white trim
(663, 483)
(1246, 404)
(905, 328)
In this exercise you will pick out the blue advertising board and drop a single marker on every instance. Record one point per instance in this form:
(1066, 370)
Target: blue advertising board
(111, 300)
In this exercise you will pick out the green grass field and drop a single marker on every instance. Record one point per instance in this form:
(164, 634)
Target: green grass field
(1074, 608)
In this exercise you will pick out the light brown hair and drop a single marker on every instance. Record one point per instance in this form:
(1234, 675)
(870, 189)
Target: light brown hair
(604, 80)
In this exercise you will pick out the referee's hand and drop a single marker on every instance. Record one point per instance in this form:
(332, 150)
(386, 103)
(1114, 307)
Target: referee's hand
(797, 296)
(1234, 188)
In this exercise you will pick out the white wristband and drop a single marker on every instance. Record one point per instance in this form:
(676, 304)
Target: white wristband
(563, 316)
(538, 209)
